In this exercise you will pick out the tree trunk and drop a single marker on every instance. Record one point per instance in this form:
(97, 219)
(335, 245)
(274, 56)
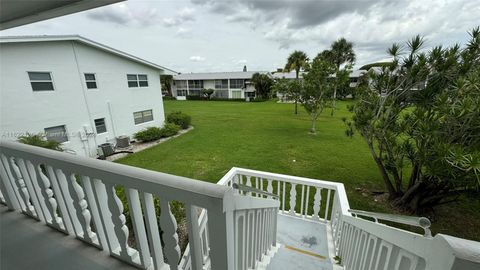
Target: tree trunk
(334, 99)
(296, 110)
(296, 77)
(313, 129)
(386, 179)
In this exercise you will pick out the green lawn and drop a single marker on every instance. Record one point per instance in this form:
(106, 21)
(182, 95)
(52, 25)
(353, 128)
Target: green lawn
(268, 136)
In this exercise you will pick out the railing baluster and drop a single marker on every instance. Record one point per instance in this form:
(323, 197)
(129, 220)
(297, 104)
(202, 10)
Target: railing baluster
(283, 196)
(89, 193)
(31, 189)
(118, 218)
(302, 200)
(152, 230)
(52, 205)
(138, 226)
(317, 203)
(170, 237)
(293, 198)
(269, 186)
(194, 242)
(248, 184)
(8, 195)
(327, 206)
(307, 202)
(81, 208)
(19, 183)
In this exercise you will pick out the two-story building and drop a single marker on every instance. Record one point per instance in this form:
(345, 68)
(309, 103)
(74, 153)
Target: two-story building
(76, 91)
(227, 85)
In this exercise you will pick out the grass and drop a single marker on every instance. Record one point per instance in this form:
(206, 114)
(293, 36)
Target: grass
(268, 136)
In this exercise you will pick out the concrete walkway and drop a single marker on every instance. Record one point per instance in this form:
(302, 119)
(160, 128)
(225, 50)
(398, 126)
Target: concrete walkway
(26, 244)
(303, 245)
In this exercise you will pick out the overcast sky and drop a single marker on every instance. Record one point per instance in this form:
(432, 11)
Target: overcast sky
(220, 35)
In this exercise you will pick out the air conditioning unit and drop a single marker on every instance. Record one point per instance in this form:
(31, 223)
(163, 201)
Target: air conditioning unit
(123, 141)
(106, 149)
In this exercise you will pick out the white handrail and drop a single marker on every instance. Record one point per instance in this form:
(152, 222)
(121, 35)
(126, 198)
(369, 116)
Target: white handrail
(421, 222)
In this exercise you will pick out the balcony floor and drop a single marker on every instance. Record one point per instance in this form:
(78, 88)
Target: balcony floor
(26, 244)
(303, 245)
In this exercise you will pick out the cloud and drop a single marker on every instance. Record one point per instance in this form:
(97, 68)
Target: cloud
(126, 15)
(184, 15)
(197, 58)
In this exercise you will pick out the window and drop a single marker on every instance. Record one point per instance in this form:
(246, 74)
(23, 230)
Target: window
(41, 81)
(100, 125)
(91, 80)
(195, 84)
(181, 93)
(236, 94)
(237, 83)
(142, 116)
(221, 84)
(250, 94)
(57, 133)
(137, 80)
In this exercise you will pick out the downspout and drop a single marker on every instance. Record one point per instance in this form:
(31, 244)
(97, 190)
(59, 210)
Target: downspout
(84, 92)
(111, 118)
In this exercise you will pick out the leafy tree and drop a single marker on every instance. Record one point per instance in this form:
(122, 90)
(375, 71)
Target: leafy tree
(166, 83)
(420, 117)
(316, 92)
(207, 92)
(40, 141)
(263, 84)
(297, 61)
(341, 52)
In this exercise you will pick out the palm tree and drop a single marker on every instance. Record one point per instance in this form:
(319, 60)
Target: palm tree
(296, 61)
(341, 52)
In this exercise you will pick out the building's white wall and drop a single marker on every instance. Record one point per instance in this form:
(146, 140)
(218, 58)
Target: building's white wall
(23, 110)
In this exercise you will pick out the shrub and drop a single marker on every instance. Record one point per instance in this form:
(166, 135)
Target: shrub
(228, 99)
(40, 141)
(149, 134)
(169, 129)
(180, 119)
(258, 99)
(169, 98)
(195, 98)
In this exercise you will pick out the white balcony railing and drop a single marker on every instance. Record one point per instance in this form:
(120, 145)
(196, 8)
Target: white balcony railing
(82, 197)
(227, 228)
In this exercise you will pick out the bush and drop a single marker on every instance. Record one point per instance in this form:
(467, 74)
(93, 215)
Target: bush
(40, 141)
(169, 129)
(196, 98)
(228, 99)
(169, 98)
(180, 119)
(149, 134)
(258, 99)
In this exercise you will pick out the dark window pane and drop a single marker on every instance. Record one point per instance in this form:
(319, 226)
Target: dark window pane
(132, 84)
(89, 76)
(142, 77)
(57, 133)
(39, 76)
(100, 125)
(143, 83)
(42, 86)
(91, 85)
(147, 116)
(131, 77)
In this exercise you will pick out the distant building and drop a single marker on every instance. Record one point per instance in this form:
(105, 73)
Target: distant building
(76, 91)
(227, 85)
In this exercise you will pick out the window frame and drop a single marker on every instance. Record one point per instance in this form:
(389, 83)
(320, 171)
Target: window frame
(104, 125)
(219, 84)
(143, 117)
(94, 80)
(137, 80)
(40, 81)
(65, 133)
(236, 81)
(237, 92)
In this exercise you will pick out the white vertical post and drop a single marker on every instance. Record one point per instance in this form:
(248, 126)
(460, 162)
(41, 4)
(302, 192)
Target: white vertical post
(194, 237)
(170, 237)
(293, 198)
(138, 226)
(152, 230)
(7, 189)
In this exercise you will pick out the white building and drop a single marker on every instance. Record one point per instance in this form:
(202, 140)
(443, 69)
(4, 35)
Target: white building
(76, 91)
(231, 85)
